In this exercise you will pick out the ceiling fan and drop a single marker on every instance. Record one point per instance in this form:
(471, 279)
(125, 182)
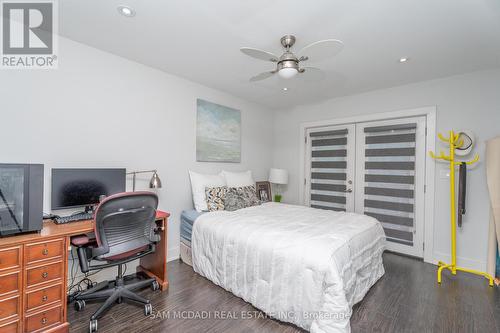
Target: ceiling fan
(288, 64)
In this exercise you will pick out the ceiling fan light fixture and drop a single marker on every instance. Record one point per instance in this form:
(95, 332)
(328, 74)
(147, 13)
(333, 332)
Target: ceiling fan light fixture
(288, 66)
(288, 72)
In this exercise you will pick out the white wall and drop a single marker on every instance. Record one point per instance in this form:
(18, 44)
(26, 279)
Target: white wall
(470, 101)
(100, 110)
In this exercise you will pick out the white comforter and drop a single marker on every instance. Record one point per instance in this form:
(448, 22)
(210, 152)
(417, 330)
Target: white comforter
(301, 265)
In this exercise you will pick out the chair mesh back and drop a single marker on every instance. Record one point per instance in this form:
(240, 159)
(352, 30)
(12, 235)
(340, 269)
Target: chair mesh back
(125, 222)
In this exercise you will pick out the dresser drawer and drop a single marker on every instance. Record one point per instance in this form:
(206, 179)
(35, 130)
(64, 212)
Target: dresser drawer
(43, 319)
(9, 283)
(45, 273)
(11, 327)
(41, 297)
(9, 307)
(42, 251)
(10, 258)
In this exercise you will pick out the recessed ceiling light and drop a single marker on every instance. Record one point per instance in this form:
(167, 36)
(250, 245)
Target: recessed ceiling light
(285, 89)
(126, 11)
(403, 59)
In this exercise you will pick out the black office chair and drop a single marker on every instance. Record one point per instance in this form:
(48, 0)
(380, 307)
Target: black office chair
(124, 231)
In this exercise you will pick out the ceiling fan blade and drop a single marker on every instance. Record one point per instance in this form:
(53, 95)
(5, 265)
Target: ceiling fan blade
(321, 50)
(262, 76)
(259, 54)
(311, 74)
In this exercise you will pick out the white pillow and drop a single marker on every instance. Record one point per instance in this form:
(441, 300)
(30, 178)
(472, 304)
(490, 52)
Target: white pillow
(198, 184)
(238, 179)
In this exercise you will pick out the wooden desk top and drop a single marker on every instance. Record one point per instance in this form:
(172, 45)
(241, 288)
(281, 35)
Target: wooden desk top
(52, 230)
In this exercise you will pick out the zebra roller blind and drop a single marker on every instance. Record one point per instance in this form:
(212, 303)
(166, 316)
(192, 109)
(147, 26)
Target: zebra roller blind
(328, 169)
(389, 185)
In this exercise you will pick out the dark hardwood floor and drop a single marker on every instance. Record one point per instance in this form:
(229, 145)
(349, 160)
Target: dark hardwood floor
(406, 299)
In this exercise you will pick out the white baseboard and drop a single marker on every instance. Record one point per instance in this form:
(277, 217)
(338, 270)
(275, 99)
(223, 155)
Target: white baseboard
(462, 262)
(174, 253)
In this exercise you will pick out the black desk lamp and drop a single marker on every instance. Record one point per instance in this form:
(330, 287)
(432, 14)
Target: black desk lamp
(155, 181)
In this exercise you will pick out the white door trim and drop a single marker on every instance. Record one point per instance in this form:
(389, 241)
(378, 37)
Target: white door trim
(430, 113)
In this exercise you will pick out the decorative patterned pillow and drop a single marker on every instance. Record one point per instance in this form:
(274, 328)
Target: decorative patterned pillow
(215, 197)
(241, 197)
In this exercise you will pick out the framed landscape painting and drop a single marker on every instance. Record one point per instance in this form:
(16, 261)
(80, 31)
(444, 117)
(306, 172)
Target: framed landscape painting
(218, 133)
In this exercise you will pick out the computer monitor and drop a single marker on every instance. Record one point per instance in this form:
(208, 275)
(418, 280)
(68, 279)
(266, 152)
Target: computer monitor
(83, 187)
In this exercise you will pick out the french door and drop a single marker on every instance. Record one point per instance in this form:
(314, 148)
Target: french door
(330, 171)
(373, 168)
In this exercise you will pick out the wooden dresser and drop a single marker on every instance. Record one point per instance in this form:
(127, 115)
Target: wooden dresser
(33, 284)
(33, 275)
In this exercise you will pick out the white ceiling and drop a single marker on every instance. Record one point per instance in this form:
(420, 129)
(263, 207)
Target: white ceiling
(200, 40)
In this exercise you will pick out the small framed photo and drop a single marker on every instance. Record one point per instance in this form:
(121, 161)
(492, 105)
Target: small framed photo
(264, 191)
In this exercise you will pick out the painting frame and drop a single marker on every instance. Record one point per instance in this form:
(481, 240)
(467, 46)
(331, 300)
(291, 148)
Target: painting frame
(218, 133)
(264, 191)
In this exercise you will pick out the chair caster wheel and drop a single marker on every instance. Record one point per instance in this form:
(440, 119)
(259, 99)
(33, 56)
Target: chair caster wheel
(155, 285)
(79, 305)
(93, 326)
(148, 309)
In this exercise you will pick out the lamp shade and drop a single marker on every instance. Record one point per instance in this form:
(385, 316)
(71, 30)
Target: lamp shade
(155, 181)
(278, 176)
(287, 72)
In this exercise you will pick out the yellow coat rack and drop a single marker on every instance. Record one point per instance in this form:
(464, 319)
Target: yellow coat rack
(454, 143)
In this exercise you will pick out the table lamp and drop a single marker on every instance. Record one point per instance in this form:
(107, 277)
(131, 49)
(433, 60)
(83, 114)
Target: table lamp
(278, 177)
(155, 181)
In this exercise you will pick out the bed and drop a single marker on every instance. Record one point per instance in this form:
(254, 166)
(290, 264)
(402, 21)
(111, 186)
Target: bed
(297, 264)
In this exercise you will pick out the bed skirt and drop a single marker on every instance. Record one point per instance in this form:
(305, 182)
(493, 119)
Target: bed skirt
(186, 256)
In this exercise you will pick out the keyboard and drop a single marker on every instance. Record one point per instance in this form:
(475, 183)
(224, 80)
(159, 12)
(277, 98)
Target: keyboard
(73, 218)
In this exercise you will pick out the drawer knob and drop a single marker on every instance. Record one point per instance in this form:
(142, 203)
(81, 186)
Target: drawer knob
(44, 298)
(45, 252)
(44, 321)
(45, 275)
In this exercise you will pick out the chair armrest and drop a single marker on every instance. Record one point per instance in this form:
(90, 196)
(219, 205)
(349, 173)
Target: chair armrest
(84, 244)
(80, 240)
